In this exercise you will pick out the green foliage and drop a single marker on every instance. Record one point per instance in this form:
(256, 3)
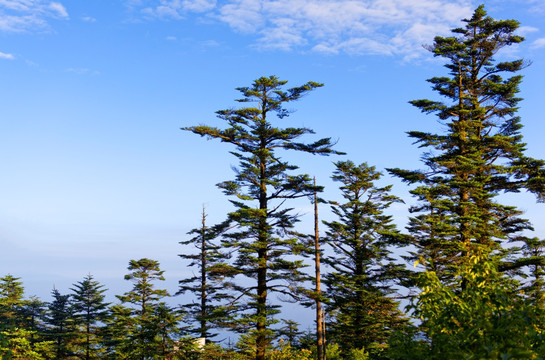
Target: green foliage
(150, 329)
(363, 315)
(289, 332)
(89, 312)
(284, 351)
(488, 320)
(59, 320)
(143, 294)
(333, 352)
(11, 300)
(263, 183)
(19, 344)
(20, 323)
(207, 285)
(481, 154)
(471, 305)
(119, 332)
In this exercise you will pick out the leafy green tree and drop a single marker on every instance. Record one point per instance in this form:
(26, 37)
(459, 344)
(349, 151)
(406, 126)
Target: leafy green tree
(90, 312)
(469, 301)
(263, 183)
(485, 321)
(360, 282)
(206, 285)
(17, 344)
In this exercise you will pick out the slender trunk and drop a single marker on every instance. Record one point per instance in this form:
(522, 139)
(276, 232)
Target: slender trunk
(261, 323)
(319, 332)
(203, 275)
(88, 343)
(323, 335)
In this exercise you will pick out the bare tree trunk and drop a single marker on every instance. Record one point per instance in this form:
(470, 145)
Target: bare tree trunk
(319, 320)
(203, 328)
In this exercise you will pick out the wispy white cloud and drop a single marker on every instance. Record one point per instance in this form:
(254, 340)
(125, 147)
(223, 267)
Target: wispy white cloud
(174, 8)
(59, 9)
(6, 56)
(390, 27)
(88, 19)
(539, 43)
(353, 26)
(25, 15)
(524, 30)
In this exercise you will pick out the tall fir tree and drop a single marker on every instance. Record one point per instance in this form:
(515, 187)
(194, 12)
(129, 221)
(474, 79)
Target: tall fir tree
(59, 320)
(359, 285)
(480, 156)
(11, 301)
(262, 185)
(206, 285)
(145, 298)
(144, 295)
(90, 311)
(470, 305)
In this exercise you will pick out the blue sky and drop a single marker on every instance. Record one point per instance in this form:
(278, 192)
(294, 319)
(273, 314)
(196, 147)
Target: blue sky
(95, 170)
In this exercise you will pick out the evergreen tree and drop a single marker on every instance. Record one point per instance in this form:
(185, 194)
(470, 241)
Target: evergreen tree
(11, 300)
(479, 157)
(17, 344)
(144, 294)
(534, 251)
(207, 284)
(20, 326)
(469, 303)
(119, 332)
(89, 311)
(146, 298)
(290, 332)
(32, 313)
(59, 320)
(163, 325)
(262, 184)
(361, 279)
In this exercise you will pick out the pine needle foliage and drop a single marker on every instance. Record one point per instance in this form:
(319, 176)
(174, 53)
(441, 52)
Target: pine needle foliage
(360, 282)
(262, 185)
(480, 156)
(90, 311)
(207, 284)
(470, 303)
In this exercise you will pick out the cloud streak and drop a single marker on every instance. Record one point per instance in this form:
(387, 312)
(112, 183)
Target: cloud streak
(6, 56)
(26, 15)
(386, 27)
(174, 8)
(539, 43)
